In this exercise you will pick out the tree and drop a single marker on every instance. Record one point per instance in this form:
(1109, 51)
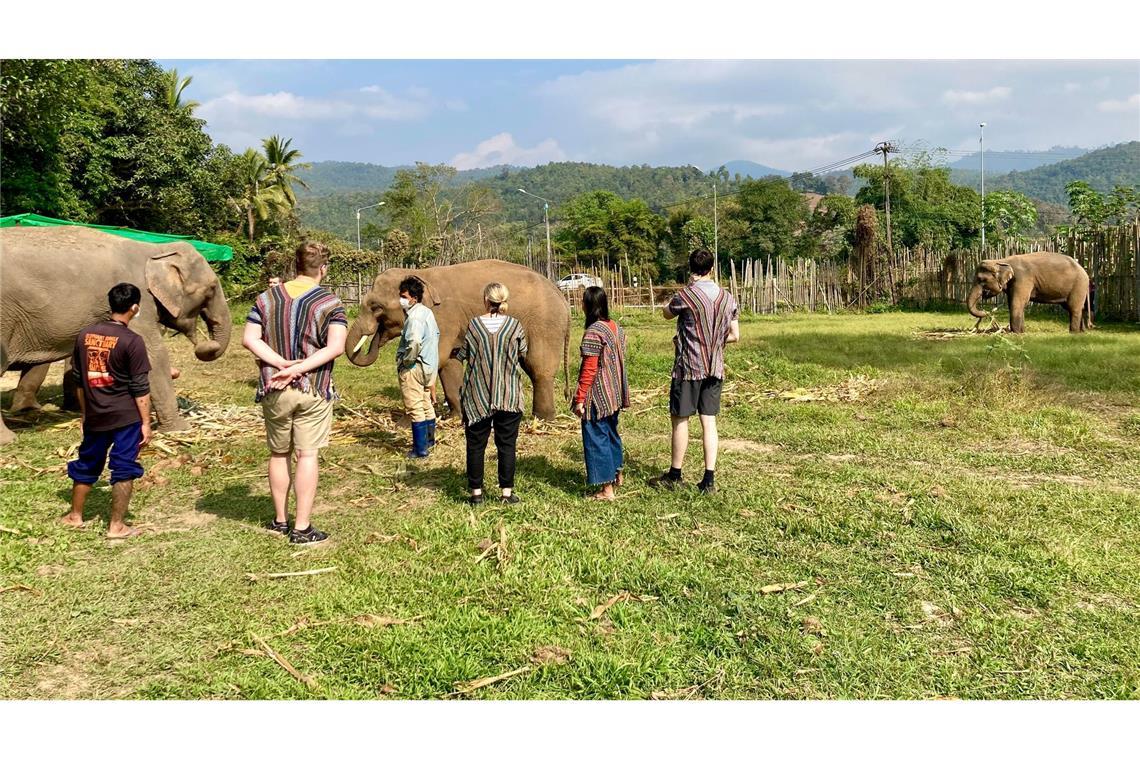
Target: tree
(260, 197)
(1009, 215)
(1088, 206)
(602, 228)
(771, 216)
(831, 230)
(174, 86)
(282, 168)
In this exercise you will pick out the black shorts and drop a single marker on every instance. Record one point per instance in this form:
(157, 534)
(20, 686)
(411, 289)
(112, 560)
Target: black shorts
(689, 397)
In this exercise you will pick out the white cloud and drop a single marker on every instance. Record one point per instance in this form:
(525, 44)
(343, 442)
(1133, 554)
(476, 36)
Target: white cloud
(502, 149)
(992, 95)
(1124, 105)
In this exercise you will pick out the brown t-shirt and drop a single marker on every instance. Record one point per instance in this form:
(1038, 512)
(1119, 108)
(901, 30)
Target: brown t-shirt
(108, 357)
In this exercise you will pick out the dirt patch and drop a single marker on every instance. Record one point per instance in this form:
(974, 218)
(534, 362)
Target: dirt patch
(746, 446)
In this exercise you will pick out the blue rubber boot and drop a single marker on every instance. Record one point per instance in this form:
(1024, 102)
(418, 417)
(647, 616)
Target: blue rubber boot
(419, 440)
(431, 433)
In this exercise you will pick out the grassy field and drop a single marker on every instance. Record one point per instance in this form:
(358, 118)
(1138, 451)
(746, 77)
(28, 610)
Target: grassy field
(958, 518)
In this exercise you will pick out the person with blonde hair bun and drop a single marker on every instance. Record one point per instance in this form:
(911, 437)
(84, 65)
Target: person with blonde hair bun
(491, 397)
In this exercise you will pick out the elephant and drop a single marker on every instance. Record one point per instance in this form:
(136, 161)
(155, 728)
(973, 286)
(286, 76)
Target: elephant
(55, 283)
(1044, 277)
(24, 397)
(455, 294)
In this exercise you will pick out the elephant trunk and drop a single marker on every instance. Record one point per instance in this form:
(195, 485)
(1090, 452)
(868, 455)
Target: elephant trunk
(356, 334)
(972, 302)
(219, 324)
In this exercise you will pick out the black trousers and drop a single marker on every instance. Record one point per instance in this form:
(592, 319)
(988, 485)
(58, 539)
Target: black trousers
(506, 427)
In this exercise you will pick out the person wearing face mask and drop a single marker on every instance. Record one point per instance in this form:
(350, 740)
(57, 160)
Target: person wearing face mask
(112, 375)
(417, 361)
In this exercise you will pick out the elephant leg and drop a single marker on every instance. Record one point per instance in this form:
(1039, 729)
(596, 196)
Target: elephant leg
(70, 388)
(451, 378)
(543, 404)
(1017, 303)
(1076, 309)
(163, 400)
(6, 435)
(24, 397)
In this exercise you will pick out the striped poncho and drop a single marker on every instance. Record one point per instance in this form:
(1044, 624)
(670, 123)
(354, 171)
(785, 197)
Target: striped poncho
(609, 392)
(703, 323)
(492, 381)
(297, 328)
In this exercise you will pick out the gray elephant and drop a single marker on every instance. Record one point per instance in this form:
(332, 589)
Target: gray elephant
(455, 294)
(1044, 277)
(55, 282)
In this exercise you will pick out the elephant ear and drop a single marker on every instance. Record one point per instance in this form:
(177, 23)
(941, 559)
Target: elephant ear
(431, 296)
(166, 281)
(1004, 273)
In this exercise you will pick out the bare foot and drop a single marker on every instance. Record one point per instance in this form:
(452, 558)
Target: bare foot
(72, 520)
(620, 479)
(606, 494)
(125, 531)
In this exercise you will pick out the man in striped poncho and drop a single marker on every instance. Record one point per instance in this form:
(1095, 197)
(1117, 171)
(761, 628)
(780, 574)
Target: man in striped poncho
(296, 330)
(707, 319)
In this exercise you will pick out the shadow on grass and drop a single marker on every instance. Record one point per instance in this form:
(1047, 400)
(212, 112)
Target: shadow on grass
(237, 502)
(31, 420)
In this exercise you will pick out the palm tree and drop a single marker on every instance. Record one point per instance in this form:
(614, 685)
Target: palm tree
(260, 198)
(281, 159)
(173, 87)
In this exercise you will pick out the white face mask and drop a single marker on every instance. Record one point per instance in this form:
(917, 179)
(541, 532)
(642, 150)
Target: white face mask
(405, 304)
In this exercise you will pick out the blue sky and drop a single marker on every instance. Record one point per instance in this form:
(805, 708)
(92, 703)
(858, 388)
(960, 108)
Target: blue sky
(793, 115)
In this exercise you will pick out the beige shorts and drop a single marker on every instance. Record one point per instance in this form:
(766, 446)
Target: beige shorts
(296, 420)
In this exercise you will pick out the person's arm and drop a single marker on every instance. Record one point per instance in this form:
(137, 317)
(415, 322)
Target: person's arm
(586, 378)
(252, 340)
(523, 347)
(76, 357)
(143, 404)
(337, 334)
(673, 307)
(415, 343)
(733, 331)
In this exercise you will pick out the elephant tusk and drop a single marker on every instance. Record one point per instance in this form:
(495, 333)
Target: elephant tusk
(360, 343)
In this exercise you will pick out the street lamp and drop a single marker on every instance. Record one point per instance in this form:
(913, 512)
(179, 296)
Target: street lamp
(374, 205)
(982, 156)
(546, 216)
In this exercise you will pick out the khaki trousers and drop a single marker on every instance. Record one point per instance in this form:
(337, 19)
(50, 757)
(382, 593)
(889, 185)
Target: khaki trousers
(416, 389)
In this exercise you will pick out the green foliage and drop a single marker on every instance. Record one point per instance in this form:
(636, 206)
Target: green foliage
(1009, 215)
(831, 229)
(601, 228)
(765, 218)
(926, 207)
(108, 141)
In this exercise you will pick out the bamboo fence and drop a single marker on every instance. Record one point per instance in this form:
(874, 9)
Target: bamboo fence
(918, 277)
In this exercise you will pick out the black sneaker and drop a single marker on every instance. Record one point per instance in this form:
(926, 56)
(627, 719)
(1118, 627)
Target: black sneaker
(664, 480)
(706, 488)
(309, 535)
(475, 499)
(512, 499)
(278, 527)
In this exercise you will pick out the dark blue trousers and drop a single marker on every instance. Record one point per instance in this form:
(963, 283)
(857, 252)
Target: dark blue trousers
(123, 443)
(602, 447)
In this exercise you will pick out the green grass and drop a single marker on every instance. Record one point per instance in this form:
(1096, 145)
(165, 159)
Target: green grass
(968, 528)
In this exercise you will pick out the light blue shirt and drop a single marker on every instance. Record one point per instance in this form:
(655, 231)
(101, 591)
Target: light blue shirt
(420, 327)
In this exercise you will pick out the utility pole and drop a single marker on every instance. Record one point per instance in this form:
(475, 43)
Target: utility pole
(982, 156)
(546, 217)
(716, 256)
(885, 148)
(374, 205)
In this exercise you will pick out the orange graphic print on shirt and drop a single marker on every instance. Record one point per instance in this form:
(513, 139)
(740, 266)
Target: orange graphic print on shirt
(98, 348)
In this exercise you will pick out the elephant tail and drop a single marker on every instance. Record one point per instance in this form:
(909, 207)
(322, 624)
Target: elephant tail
(566, 363)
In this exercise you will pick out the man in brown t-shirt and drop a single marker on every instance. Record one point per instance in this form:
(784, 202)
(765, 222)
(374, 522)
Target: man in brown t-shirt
(112, 372)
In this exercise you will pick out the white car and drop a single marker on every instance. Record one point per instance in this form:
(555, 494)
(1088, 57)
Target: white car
(578, 280)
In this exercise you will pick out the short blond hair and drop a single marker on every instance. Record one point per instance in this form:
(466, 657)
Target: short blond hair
(496, 294)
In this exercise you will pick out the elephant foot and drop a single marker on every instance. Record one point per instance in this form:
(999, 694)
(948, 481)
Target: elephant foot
(22, 403)
(177, 424)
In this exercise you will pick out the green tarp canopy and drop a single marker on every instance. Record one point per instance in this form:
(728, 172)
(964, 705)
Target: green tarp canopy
(211, 251)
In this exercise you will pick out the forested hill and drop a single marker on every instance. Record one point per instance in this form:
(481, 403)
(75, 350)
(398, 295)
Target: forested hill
(1103, 169)
(657, 186)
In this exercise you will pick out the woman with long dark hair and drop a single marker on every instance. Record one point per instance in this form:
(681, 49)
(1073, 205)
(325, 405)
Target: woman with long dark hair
(603, 391)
